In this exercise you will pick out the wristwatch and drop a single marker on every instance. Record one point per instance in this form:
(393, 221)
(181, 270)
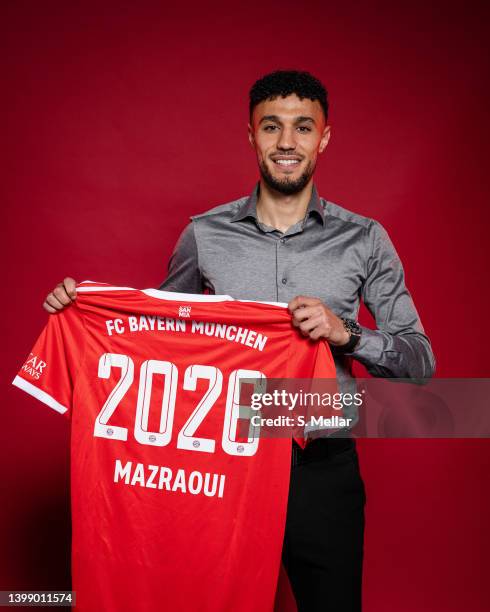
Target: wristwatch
(355, 331)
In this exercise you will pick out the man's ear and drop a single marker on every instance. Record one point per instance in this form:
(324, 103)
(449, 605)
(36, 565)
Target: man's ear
(324, 139)
(251, 138)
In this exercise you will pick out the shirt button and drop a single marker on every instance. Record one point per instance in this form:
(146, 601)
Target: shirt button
(283, 240)
(284, 281)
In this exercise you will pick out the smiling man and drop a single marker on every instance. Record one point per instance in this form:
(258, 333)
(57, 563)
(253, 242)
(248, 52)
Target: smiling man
(285, 243)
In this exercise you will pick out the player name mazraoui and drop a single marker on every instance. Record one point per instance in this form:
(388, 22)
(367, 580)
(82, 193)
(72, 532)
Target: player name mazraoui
(163, 478)
(145, 323)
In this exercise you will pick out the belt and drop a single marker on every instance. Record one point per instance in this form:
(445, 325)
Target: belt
(319, 448)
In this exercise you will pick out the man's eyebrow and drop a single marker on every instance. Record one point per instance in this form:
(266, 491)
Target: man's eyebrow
(299, 119)
(303, 118)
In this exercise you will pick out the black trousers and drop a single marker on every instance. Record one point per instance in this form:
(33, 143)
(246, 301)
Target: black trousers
(323, 542)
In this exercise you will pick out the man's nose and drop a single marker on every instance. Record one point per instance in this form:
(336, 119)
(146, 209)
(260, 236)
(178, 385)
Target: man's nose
(286, 139)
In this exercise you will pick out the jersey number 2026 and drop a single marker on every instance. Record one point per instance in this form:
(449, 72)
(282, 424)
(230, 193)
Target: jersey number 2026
(186, 438)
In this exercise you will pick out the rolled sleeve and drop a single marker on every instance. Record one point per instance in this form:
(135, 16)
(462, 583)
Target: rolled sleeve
(399, 347)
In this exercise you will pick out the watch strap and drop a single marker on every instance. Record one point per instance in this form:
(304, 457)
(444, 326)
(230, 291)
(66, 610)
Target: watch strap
(355, 332)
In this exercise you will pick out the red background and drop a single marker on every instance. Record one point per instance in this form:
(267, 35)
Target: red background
(124, 119)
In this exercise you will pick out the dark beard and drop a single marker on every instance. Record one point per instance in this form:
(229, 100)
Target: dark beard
(286, 186)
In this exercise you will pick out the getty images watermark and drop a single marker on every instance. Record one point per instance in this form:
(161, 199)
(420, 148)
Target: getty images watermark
(367, 407)
(304, 408)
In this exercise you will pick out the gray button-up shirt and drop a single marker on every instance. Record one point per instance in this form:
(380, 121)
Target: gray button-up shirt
(333, 254)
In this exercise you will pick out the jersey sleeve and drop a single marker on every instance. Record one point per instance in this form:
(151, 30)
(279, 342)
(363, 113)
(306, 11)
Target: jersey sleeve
(49, 371)
(312, 360)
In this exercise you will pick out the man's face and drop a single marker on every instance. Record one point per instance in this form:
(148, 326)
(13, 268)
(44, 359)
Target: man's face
(287, 135)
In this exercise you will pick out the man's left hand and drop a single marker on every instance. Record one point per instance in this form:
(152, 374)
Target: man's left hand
(317, 321)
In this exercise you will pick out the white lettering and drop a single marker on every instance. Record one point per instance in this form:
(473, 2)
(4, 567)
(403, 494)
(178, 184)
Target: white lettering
(179, 482)
(120, 472)
(149, 483)
(138, 475)
(250, 338)
(195, 488)
(164, 479)
(195, 483)
(260, 342)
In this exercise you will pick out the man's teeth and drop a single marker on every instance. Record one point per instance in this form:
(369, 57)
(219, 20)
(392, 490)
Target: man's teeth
(287, 162)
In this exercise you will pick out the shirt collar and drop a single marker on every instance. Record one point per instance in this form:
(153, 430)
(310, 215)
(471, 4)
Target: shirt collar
(249, 207)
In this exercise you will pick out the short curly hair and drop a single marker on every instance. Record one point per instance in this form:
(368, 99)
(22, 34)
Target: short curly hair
(286, 82)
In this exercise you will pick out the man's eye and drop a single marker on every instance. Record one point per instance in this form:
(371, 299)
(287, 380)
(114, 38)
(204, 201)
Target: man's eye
(270, 128)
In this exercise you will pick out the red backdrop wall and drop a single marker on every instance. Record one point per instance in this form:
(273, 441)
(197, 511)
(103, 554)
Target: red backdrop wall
(123, 119)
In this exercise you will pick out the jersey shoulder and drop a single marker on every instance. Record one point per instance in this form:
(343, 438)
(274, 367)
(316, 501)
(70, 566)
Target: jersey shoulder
(95, 291)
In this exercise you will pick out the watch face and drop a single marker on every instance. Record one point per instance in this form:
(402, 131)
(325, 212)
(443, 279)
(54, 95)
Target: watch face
(353, 326)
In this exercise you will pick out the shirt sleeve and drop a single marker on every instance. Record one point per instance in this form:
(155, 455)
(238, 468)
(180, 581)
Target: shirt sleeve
(50, 370)
(184, 275)
(399, 347)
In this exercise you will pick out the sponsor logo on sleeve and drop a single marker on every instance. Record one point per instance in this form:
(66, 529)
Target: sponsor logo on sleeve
(34, 366)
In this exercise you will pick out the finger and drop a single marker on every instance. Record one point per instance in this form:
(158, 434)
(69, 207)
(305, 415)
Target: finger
(307, 326)
(54, 302)
(61, 294)
(318, 332)
(70, 287)
(301, 314)
(300, 301)
(49, 308)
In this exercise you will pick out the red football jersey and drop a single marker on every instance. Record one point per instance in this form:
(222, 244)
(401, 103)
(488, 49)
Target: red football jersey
(170, 508)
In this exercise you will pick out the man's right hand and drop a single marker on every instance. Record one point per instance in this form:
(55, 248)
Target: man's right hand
(62, 295)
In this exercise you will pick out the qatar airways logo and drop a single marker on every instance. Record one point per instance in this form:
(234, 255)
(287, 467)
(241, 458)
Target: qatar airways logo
(184, 311)
(34, 366)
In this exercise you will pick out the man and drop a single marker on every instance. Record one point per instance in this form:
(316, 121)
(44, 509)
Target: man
(284, 243)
